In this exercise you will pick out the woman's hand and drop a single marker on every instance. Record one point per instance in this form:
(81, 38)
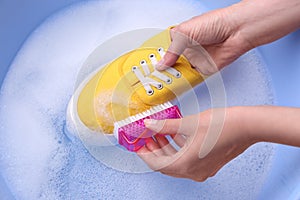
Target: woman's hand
(214, 137)
(215, 32)
(229, 32)
(190, 132)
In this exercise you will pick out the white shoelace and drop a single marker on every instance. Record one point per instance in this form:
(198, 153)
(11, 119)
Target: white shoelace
(146, 81)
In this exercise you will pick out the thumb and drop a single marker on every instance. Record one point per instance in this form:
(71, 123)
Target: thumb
(167, 126)
(176, 48)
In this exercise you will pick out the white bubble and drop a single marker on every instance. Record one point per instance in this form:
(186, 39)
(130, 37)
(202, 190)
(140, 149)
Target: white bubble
(37, 159)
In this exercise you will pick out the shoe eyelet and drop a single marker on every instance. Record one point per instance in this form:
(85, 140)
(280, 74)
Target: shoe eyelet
(152, 55)
(169, 81)
(178, 75)
(160, 86)
(134, 68)
(143, 62)
(150, 92)
(160, 49)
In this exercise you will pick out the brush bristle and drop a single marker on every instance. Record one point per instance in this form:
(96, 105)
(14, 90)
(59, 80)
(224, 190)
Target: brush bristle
(139, 116)
(132, 133)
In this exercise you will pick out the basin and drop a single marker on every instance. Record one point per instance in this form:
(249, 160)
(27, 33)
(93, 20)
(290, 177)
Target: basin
(19, 20)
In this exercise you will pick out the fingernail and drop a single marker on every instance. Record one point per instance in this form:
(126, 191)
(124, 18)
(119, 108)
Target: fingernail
(154, 125)
(150, 122)
(159, 65)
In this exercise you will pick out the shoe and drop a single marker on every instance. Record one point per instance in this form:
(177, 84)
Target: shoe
(130, 85)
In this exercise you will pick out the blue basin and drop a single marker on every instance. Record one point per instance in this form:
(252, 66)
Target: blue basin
(19, 18)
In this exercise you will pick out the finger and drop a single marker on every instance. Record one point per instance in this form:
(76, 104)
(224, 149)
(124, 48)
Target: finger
(178, 174)
(167, 126)
(166, 147)
(176, 48)
(185, 126)
(200, 60)
(155, 162)
(154, 147)
(214, 172)
(199, 179)
(167, 61)
(178, 139)
(172, 174)
(149, 157)
(179, 41)
(161, 140)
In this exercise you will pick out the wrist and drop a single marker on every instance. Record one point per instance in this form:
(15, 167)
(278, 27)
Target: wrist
(271, 124)
(243, 126)
(237, 21)
(260, 22)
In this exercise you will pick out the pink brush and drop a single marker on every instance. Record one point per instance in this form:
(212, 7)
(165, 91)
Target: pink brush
(132, 133)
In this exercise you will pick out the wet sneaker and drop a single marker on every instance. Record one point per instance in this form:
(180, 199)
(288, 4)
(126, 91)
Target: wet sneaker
(130, 85)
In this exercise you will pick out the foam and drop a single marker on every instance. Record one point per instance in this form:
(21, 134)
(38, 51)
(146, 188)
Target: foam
(37, 159)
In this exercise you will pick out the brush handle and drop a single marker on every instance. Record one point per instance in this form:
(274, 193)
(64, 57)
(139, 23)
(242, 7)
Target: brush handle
(134, 136)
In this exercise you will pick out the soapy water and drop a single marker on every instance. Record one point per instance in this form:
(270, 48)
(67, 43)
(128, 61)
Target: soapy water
(38, 161)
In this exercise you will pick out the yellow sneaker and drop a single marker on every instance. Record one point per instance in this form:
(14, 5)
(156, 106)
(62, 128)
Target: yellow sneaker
(130, 85)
